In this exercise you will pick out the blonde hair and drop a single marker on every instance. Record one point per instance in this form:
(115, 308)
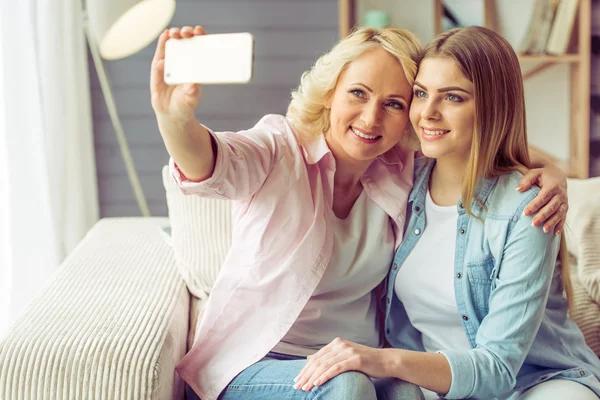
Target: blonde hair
(500, 134)
(307, 111)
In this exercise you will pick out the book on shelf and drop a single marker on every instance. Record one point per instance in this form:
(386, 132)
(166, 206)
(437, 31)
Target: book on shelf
(540, 24)
(562, 28)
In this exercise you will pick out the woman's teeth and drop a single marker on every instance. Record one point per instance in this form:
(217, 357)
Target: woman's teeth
(436, 132)
(362, 135)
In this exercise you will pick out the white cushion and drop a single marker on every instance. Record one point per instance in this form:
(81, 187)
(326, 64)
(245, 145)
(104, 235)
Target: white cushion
(583, 231)
(583, 241)
(201, 235)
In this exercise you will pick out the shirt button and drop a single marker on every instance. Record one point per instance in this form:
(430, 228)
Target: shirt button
(395, 267)
(389, 300)
(459, 275)
(417, 231)
(462, 231)
(465, 318)
(417, 208)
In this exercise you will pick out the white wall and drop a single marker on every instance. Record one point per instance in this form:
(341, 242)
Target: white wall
(547, 94)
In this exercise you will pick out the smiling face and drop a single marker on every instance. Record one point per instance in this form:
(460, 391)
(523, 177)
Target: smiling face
(369, 107)
(443, 109)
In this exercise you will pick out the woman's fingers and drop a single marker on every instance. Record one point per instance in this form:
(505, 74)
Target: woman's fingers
(557, 220)
(316, 367)
(311, 363)
(331, 364)
(543, 197)
(546, 204)
(175, 33)
(559, 228)
(186, 32)
(529, 179)
(158, 62)
(549, 215)
(159, 53)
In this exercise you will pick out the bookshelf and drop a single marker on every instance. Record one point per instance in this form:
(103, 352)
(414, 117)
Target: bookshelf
(577, 59)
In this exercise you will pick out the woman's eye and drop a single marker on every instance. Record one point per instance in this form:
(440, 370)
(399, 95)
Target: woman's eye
(419, 93)
(454, 98)
(358, 93)
(396, 105)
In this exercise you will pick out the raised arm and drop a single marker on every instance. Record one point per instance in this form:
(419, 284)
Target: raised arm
(226, 165)
(187, 141)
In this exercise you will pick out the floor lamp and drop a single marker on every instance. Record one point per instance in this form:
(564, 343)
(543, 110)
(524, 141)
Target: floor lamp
(116, 29)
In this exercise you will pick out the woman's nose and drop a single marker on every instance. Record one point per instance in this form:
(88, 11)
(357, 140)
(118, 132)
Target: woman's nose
(371, 115)
(430, 110)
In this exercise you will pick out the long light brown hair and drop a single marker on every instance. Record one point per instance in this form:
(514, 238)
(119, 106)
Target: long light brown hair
(500, 134)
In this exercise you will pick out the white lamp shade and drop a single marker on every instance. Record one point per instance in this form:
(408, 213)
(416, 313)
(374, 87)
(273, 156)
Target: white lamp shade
(124, 27)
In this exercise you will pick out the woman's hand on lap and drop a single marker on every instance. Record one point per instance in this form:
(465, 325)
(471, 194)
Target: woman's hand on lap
(338, 357)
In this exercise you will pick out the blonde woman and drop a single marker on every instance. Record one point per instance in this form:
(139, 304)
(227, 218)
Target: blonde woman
(320, 204)
(475, 305)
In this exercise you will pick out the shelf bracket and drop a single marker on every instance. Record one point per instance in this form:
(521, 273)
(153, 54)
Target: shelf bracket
(537, 69)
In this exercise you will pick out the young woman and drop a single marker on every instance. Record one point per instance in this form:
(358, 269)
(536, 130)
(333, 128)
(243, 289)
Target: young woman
(320, 205)
(475, 305)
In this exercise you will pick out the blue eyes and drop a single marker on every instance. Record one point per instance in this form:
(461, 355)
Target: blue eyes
(392, 104)
(395, 105)
(455, 98)
(418, 93)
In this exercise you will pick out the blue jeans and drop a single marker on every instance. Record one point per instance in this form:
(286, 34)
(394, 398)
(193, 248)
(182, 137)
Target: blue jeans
(273, 378)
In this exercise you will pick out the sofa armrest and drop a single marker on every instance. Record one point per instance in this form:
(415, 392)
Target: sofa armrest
(111, 324)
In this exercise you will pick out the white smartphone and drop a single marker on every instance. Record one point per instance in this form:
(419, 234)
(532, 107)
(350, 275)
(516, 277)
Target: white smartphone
(210, 59)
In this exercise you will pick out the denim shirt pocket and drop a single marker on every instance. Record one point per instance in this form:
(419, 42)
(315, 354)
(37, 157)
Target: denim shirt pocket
(482, 280)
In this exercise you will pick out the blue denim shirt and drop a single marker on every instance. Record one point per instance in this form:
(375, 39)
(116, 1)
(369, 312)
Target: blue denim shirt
(508, 293)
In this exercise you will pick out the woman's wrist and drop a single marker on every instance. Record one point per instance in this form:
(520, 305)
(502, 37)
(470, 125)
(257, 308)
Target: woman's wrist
(392, 363)
(176, 126)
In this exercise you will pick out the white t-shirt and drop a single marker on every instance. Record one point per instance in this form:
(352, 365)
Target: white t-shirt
(344, 303)
(425, 283)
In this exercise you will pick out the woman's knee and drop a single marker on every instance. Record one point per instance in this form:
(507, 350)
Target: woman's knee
(349, 385)
(396, 389)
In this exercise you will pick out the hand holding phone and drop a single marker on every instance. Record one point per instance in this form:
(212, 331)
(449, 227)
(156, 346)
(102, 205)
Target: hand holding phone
(173, 104)
(209, 59)
(187, 141)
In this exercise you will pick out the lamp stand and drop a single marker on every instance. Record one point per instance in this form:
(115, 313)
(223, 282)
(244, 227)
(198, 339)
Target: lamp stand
(114, 117)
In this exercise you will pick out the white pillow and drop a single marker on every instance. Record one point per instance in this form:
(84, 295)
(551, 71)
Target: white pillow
(201, 235)
(583, 239)
(583, 231)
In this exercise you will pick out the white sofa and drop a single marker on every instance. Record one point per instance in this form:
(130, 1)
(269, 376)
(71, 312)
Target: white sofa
(115, 318)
